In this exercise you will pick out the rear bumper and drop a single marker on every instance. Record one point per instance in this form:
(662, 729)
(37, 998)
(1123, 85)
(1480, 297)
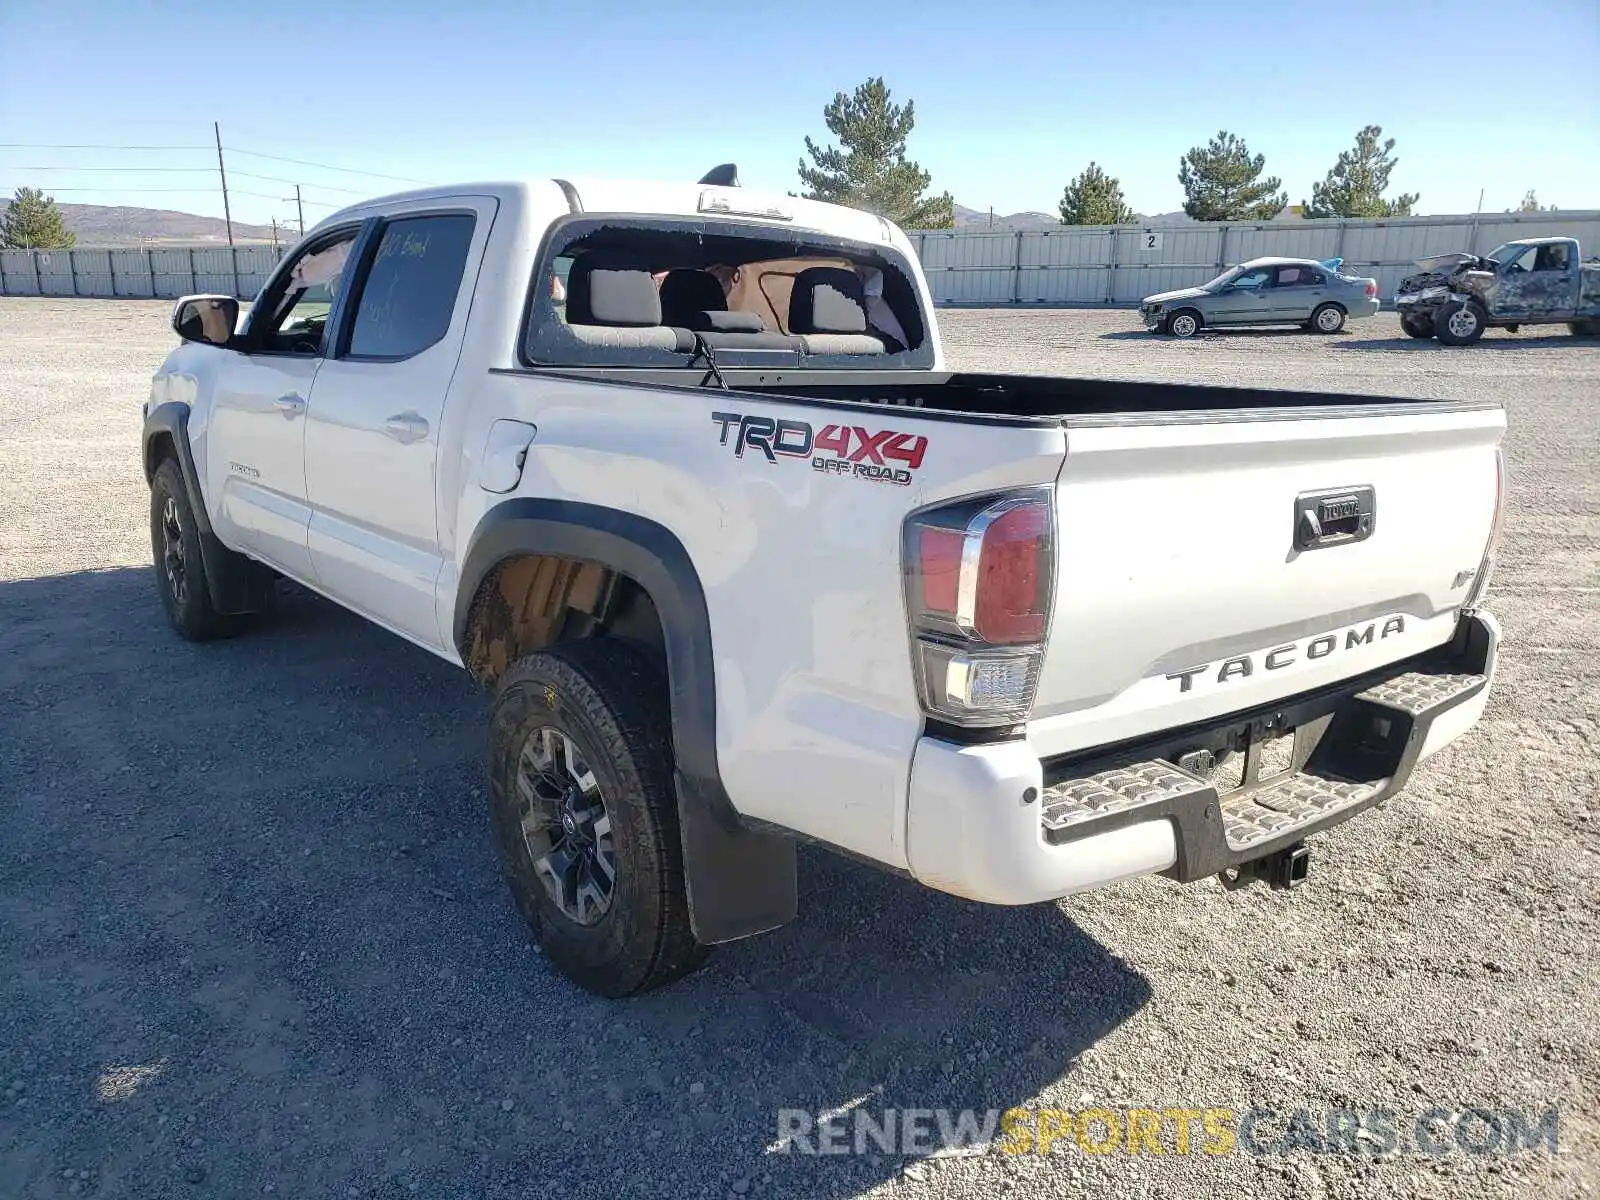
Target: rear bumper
(994, 823)
(1364, 308)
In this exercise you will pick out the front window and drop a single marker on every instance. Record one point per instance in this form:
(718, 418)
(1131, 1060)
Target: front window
(1249, 281)
(1523, 258)
(294, 315)
(1223, 280)
(1511, 252)
(1247, 278)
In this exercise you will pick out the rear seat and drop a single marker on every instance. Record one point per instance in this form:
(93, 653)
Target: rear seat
(828, 310)
(619, 307)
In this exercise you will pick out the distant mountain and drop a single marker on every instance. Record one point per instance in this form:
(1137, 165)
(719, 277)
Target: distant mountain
(101, 225)
(972, 220)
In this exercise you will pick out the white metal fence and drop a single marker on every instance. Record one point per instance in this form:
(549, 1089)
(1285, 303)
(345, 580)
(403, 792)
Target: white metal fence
(1121, 264)
(1088, 264)
(166, 271)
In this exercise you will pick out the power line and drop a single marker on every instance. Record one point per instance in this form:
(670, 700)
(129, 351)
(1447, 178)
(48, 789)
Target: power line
(326, 187)
(303, 162)
(118, 190)
(45, 146)
(115, 170)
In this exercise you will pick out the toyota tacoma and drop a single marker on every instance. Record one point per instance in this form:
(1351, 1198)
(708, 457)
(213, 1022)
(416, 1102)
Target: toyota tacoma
(679, 474)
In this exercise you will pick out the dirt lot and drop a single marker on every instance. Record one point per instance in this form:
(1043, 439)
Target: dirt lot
(253, 940)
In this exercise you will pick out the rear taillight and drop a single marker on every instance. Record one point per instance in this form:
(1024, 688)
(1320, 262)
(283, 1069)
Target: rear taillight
(1486, 567)
(1372, 287)
(979, 581)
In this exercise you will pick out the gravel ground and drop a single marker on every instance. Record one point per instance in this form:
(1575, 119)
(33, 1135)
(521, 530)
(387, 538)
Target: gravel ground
(253, 940)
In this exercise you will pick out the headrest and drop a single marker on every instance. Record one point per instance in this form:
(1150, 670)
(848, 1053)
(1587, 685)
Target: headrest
(827, 300)
(685, 292)
(611, 296)
(722, 321)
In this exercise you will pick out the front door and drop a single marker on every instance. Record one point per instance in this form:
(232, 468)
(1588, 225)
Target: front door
(1541, 281)
(1241, 302)
(372, 436)
(255, 456)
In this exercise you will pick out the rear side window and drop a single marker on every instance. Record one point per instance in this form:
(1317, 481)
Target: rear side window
(410, 290)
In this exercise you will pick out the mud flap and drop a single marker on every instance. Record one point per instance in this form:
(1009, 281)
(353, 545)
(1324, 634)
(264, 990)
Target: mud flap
(740, 882)
(237, 584)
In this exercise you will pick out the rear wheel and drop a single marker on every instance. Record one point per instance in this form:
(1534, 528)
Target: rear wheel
(1184, 323)
(1328, 318)
(1459, 323)
(1417, 325)
(586, 816)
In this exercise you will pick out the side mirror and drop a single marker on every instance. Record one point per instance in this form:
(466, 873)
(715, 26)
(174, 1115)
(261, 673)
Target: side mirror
(209, 319)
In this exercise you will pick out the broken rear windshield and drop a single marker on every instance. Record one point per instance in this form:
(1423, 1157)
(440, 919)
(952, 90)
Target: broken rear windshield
(659, 291)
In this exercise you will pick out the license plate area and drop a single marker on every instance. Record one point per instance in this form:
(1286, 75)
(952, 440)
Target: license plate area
(1254, 753)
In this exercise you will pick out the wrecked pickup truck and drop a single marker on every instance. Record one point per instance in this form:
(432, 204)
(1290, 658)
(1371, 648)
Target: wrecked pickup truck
(1534, 281)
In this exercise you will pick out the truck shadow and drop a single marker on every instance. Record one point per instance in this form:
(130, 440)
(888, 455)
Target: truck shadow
(256, 935)
(1488, 344)
(1246, 331)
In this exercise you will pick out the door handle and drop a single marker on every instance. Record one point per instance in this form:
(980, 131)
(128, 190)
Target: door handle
(406, 427)
(291, 406)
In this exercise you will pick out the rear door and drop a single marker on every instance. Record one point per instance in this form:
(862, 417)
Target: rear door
(372, 437)
(1294, 291)
(1186, 589)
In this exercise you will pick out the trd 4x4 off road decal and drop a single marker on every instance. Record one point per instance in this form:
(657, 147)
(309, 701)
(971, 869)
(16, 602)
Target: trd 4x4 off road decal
(849, 451)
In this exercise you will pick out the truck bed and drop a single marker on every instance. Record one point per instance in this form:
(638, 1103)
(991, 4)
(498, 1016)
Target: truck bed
(1029, 399)
(1187, 586)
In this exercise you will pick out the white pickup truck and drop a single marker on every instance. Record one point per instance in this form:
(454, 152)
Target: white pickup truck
(678, 473)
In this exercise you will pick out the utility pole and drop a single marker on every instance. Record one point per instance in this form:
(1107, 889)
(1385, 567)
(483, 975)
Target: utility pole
(274, 233)
(300, 210)
(227, 213)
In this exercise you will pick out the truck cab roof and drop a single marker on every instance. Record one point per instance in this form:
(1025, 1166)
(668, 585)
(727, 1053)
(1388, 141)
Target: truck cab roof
(650, 198)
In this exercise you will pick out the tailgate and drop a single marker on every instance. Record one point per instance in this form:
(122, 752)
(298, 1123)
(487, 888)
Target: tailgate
(1190, 579)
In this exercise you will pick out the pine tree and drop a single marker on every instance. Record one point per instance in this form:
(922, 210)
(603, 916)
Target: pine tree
(1355, 186)
(871, 170)
(1221, 183)
(1094, 198)
(32, 221)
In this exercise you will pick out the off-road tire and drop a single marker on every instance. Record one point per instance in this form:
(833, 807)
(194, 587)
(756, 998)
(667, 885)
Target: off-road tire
(611, 700)
(1322, 322)
(179, 573)
(1451, 326)
(1192, 323)
(1417, 325)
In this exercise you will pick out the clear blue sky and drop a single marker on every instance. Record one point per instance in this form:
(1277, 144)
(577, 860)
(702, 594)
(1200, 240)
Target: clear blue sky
(1012, 99)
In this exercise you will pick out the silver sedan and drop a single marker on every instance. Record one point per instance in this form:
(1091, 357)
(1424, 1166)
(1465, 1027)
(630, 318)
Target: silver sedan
(1265, 291)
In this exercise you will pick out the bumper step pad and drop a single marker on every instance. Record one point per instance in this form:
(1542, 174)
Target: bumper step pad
(1271, 812)
(1289, 803)
(1106, 793)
